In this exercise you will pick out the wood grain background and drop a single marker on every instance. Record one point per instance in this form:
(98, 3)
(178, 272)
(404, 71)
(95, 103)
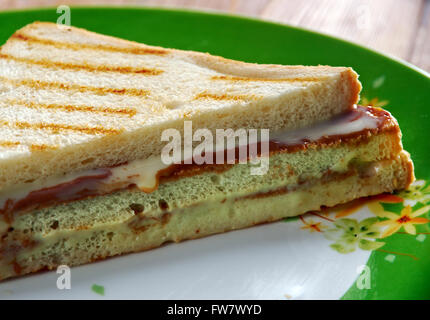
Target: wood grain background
(397, 27)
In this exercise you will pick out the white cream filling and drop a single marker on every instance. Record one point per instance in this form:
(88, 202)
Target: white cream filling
(142, 173)
(341, 125)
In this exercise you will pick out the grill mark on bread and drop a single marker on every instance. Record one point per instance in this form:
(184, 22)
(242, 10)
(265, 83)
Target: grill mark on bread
(9, 144)
(39, 84)
(72, 108)
(32, 147)
(301, 79)
(56, 128)
(85, 66)
(42, 147)
(78, 46)
(240, 97)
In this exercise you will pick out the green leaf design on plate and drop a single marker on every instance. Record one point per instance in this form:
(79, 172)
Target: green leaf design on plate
(419, 191)
(349, 234)
(98, 289)
(365, 244)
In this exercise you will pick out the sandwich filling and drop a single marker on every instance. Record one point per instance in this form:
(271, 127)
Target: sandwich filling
(358, 123)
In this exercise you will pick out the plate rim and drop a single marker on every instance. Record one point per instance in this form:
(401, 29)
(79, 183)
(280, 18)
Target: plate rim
(425, 76)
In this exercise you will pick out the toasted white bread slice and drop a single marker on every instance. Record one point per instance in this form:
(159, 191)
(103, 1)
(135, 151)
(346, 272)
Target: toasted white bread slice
(73, 100)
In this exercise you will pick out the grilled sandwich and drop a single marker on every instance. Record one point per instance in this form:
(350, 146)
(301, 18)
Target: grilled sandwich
(82, 117)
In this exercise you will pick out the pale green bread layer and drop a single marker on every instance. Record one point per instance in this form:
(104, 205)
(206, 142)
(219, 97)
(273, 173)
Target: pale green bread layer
(91, 229)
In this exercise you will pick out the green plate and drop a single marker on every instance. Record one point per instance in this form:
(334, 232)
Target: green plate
(401, 88)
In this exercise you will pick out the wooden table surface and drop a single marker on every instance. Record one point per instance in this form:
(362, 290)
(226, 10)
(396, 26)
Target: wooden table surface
(397, 27)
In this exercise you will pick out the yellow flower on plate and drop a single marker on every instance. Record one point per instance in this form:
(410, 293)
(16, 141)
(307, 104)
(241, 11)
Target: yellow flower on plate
(407, 219)
(313, 226)
(375, 102)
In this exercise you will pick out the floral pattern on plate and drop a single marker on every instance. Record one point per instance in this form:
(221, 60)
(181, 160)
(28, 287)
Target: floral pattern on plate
(402, 212)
